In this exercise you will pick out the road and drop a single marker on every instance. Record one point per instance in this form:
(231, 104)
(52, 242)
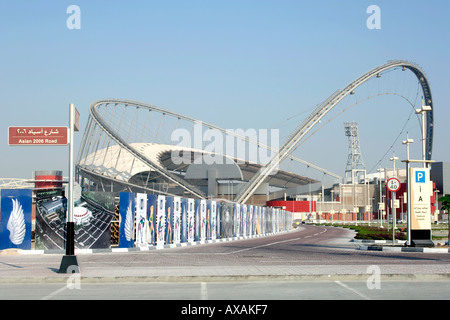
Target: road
(312, 262)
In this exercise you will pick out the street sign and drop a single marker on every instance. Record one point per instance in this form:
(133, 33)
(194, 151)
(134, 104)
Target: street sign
(37, 136)
(421, 191)
(393, 184)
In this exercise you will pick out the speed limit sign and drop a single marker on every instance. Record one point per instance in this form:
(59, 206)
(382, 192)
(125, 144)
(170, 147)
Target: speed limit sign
(393, 184)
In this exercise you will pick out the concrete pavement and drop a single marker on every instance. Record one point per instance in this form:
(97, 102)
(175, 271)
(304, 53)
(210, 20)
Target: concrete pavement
(180, 264)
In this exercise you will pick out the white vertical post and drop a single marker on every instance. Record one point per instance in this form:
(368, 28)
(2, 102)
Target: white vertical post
(408, 194)
(69, 263)
(71, 171)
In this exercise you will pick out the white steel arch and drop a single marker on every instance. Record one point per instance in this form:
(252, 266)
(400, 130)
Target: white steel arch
(98, 119)
(329, 104)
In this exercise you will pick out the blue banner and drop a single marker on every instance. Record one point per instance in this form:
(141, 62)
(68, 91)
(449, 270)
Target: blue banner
(218, 207)
(197, 220)
(126, 210)
(15, 224)
(184, 219)
(160, 221)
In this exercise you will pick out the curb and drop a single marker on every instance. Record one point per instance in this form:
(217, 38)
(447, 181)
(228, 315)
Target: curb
(377, 245)
(403, 249)
(64, 278)
(134, 249)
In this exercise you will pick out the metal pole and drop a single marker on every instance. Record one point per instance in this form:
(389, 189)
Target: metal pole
(408, 205)
(69, 263)
(394, 216)
(70, 243)
(408, 195)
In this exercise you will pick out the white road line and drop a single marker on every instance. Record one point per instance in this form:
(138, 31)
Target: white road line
(273, 243)
(203, 291)
(353, 290)
(54, 293)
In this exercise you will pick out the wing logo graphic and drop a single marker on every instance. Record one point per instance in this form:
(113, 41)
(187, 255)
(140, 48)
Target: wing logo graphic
(16, 223)
(129, 223)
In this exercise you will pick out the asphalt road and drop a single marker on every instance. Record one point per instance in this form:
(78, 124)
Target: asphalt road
(312, 262)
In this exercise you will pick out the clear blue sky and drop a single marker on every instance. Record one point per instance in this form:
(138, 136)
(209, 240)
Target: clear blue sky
(234, 63)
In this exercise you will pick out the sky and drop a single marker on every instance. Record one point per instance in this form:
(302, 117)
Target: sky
(235, 63)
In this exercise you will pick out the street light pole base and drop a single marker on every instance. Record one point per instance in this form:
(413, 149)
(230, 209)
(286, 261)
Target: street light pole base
(69, 264)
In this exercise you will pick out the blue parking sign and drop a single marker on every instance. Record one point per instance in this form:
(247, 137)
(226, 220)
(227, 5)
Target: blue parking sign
(420, 176)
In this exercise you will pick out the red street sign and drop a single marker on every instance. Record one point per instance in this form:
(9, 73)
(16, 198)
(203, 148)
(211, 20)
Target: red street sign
(393, 184)
(38, 136)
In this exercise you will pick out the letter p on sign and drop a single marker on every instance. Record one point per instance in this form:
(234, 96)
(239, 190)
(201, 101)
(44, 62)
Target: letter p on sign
(420, 176)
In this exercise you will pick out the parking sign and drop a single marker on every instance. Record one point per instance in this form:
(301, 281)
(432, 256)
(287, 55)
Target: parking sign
(420, 176)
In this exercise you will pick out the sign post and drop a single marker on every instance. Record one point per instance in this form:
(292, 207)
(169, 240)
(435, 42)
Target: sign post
(393, 185)
(419, 193)
(69, 263)
(420, 211)
(55, 136)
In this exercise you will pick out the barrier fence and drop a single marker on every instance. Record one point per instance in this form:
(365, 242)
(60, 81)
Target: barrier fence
(137, 220)
(160, 220)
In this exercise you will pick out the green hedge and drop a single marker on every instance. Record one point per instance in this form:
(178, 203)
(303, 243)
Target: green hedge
(376, 233)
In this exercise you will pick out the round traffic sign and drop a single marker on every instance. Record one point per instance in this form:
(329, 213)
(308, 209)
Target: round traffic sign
(393, 184)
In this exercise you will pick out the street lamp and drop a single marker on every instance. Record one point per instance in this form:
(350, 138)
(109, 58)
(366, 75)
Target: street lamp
(393, 159)
(408, 195)
(422, 112)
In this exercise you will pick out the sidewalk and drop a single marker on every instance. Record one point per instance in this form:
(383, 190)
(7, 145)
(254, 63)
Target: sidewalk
(146, 264)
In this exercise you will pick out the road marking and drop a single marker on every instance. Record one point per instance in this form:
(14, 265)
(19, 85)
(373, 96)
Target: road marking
(203, 291)
(352, 290)
(273, 243)
(54, 293)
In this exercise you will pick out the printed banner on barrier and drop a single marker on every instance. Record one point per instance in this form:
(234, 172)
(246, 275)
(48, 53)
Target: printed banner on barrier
(127, 212)
(190, 220)
(236, 219)
(152, 203)
(15, 224)
(93, 213)
(169, 220)
(218, 225)
(197, 220)
(213, 219)
(184, 220)
(142, 228)
(226, 220)
(202, 220)
(176, 220)
(160, 220)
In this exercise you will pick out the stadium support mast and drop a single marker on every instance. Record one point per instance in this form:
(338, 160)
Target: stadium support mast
(355, 163)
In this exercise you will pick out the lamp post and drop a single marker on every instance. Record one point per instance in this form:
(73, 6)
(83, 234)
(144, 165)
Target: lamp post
(422, 112)
(408, 195)
(380, 213)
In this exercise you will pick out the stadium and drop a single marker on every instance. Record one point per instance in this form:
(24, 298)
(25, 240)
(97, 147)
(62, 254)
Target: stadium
(138, 147)
(129, 146)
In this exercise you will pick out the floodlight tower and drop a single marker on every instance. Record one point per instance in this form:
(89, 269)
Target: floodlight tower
(355, 163)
